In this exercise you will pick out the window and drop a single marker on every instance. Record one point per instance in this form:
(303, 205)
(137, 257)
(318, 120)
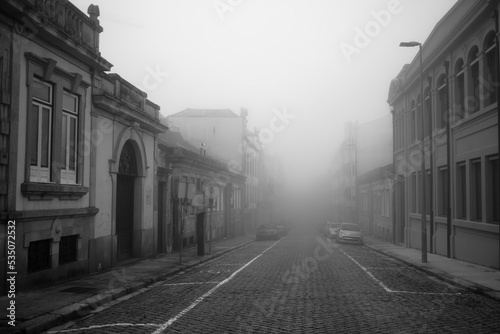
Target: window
(39, 255)
(221, 199)
(476, 190)
(459, 111)
(493, 189)
(427, 112)
(69, 138)
(412, 122)
(442, 183)
(461, 193)
(419, 117)
(387, 203)
(489, 70)
(442, 102)
(68, 249)
(428, 191)
(40, 131)
(54, 124)
(473, 80)
(419, 193)
(414, 192)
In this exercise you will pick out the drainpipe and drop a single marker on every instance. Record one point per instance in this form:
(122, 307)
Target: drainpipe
(497, 70)
(448, 161)
(431, 166)
(393, 188)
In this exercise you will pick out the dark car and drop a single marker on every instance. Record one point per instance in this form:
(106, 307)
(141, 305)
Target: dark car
(266, 232)
(331, 230)
(350, 233)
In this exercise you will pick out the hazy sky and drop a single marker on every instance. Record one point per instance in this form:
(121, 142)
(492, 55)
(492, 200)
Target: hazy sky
(304, 58)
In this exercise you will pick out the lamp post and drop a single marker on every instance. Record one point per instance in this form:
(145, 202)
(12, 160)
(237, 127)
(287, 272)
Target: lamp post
(497, 93)
(422, 152)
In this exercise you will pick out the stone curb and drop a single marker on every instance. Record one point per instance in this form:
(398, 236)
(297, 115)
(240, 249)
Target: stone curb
(444, 276)
(85, 307)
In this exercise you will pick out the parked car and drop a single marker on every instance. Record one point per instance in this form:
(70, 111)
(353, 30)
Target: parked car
(331, 230)
(350, 233)
(282, 229)
(266, 232)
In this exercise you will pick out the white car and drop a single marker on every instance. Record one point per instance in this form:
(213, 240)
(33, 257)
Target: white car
(350, 233)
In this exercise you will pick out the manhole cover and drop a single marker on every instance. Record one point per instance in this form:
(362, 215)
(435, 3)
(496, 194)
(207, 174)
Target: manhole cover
(79, 289)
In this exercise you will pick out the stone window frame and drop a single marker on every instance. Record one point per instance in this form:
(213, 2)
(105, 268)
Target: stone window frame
(476, 189)
(442, 188)
(442, 102)
(489, 72)
(45, 69)
(473, 80)
(460, 88)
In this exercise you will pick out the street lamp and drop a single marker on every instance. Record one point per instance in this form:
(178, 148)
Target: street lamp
(422, 152)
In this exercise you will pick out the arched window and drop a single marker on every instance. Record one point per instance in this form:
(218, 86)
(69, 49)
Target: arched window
(427, 112)
(127, 164)
(419, 117)
(459, 105)
(442, 101)
(489, 70)
(473, 80)
(412, 122)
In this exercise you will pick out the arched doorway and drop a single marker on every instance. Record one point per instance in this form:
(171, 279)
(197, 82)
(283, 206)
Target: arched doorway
(127, 173)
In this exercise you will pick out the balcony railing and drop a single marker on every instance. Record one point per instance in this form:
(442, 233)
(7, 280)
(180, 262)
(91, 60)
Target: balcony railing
(63, 17)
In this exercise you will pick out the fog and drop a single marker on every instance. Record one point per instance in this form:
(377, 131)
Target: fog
(320, 62)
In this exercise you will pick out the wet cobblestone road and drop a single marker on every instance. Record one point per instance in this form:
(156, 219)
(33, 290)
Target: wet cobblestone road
(299, 284)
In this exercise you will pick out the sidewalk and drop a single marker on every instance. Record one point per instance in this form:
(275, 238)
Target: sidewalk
(40, 309)
(474, 277)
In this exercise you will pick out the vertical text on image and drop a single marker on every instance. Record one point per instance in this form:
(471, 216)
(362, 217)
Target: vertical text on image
(11, 271)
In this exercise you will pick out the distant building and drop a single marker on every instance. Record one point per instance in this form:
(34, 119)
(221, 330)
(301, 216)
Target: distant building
(375, 209)
(360, 177)
(220, 131)
(460, 108)
(253, 165)
(224, 136)
(214, 204)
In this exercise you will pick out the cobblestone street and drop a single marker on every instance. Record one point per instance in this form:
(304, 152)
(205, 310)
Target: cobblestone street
(301, 283)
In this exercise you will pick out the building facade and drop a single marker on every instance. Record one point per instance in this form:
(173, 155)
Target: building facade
(202, 194)
(224, 136)
(457, 117)
(64, 127)
(123, 158)
(375, 207)
(253, 171)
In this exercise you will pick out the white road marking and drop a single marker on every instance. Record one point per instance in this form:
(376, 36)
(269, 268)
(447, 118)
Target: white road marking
(395, 291)
(191, 283)
(385, 268)
(121, 324)
(199, 300)
(367, 272)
